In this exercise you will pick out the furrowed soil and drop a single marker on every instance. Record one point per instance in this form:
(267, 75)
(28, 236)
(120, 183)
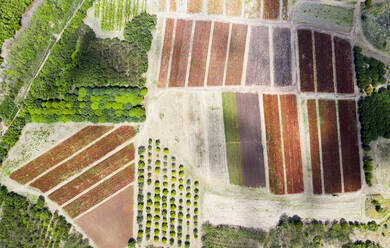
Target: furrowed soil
(344, 71)
(271, 9)
(236, 54)
(274, 146)
(258, 70)
(233, 7)
(194, 6)
(282, 56)
(330, 146)
(100, 192)
(232, 134)
(215, 7)
(166, 53)
(324, 63)
(306, 60)
(83, 159)
(292, 144)
(252, 8)
(199, 53)
(314, 146)
(349, 145)
(59, 153)
(93, 175)
(110, 224)
(250, 139)
(180, 53)
(218, 54)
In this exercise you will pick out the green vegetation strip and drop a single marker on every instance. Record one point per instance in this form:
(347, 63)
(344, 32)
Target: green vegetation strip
(233, 152)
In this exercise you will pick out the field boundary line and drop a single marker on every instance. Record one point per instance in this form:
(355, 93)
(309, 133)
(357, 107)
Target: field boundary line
(264, 142)
(104, 201)
(227, 55)
(171, 52)
(190, 54)
(334, 66)
(314, 65)
(246, 52)
(164, 24)
(282, 144)
(99, 182)
(73, 155)
(206, 73)
(339, 143)
(305, 159)
(271, 56)
(261, 9)
(101, 159)
(242, 8)
(320, 146)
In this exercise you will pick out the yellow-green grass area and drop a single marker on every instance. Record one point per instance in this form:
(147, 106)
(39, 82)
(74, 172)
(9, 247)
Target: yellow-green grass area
(322, 15)
(232, 135)
(377, 207)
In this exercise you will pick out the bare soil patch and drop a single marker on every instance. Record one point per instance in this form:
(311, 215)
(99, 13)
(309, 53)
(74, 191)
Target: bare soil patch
(271, 9)
(233, 7)
(166, 53)
(194, 6)
(324, 63)
(344, 71)
(305, 42)
(282, 56)
(252, 8)
(236, 54)
(215, 7)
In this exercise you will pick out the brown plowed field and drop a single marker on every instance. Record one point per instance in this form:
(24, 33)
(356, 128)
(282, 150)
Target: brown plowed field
(344, 71)
(306, 66)
(271, 9)
(330, 146)
(59, 153)
(236, 54)
(166, 53)
(93, 175)
(324, 63)
(274, 145)
(250, 139)
(282, 56)
(194, 6)
(172, 5)
(199, 53)
(349, 145)
(110, 224)
(83, 159)
(252, 8)
(100, 192)
(233, 7)
(292, 144)
(218, 54)
(314, 147)
(215, 7)
(180, 53)
(258, 70)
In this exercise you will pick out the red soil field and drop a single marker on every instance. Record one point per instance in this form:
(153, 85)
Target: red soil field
(285, 10)
(172, 5)
(199, 52)
(166, 53)
(100, 192)
(180, 53)
(324, 63)
(344, 71)
(233, 7)
(253, 170)
(236, 54)
(93, 175)
(330, 146)
(349, 145)
(314, 147)
(83, 159)
(292, 144)
(258, 69)
(252, 8)
(194, 6)
(218, 54)
(274, 145)
(271, 9)
(110, 224)
(60, 152)
(215, 7)
(305, 42)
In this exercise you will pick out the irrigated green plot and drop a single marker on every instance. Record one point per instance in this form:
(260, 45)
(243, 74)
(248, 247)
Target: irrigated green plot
(322, 15)
(232, 135)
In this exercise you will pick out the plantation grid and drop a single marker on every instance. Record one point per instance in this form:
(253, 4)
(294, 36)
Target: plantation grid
(279, 85)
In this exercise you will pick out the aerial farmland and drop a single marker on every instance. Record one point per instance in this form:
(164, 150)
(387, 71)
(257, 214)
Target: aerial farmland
(195, 123)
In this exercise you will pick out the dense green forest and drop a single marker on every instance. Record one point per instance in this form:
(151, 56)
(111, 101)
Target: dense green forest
(27, 224)
(11, 12)
(290, 232)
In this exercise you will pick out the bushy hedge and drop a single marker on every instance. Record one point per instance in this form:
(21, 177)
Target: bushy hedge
(9, 139)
